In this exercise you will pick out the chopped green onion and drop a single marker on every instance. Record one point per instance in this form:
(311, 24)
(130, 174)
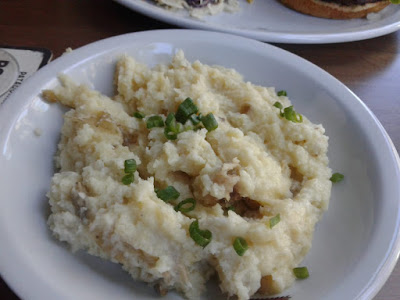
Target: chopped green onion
(279, 105)
(291, 115)
(288, 113)
(130, 166)
(301, 272)
(282, 93)
(232, 208)
(188, 127)
(154, 121)
(195, 119)
(336, 177)
(240, 246)
(170, 120)
(209, 122)
(168, 194)
(169, 134)
(185, 110)
(127, 179)
(395, 1)
(138, 115)
(172, 128)
(183, 207)
(201, 237)
(275, 220)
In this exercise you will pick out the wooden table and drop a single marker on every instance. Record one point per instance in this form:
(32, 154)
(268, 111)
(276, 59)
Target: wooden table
(370, 68)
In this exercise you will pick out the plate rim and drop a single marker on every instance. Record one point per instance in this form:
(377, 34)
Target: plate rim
(152, 11)
(50, 72)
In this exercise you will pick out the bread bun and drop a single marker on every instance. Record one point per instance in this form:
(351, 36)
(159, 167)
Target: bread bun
(334, 9)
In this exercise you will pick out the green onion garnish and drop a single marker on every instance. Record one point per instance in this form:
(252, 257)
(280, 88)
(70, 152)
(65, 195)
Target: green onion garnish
(195, 119)
(168, 194)
(301, 272)
(209, 122)
(282, 93)
(291, 115)
(395, 1)
(336, 177)
(186, 205)
(188, 127)
(154, 121)
(279, 105)
(201, 237)
(232, 208)
(170, 120)
(275, 220)
(185, 110)
(138, 115)
(240, 246)
(130, 166)
(288, 113)
(172, 128)
(169, 134)
(127, 179)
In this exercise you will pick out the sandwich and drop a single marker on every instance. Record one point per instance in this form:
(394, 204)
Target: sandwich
(338, 9)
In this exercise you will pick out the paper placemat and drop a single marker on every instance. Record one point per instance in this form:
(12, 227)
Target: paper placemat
(17, 64)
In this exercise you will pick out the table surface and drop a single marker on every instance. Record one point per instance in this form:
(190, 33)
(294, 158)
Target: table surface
(370, 68)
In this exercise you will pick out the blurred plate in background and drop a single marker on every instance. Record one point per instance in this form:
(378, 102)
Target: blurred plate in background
(270, 21)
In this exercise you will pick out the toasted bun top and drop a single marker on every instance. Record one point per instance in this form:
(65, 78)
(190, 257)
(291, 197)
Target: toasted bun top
(339, 9)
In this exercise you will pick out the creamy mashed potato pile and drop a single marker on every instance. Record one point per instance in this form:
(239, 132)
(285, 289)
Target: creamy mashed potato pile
(255, 167)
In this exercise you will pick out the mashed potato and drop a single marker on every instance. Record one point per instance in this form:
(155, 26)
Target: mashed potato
(255, 167)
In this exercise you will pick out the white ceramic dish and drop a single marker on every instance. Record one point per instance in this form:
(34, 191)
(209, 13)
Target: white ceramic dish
(355, 245)
(270, 21)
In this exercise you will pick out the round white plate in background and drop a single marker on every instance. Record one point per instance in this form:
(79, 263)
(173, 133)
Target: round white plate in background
(355, 246)
(270, 21)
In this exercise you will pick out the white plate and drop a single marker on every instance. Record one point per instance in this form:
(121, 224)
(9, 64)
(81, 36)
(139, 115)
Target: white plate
(270, 21)
(355, 246)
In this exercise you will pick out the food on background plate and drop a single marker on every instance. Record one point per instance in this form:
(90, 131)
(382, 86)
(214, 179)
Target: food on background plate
(338, 9)
(189, 171)
(199, 8)
(331, 9)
